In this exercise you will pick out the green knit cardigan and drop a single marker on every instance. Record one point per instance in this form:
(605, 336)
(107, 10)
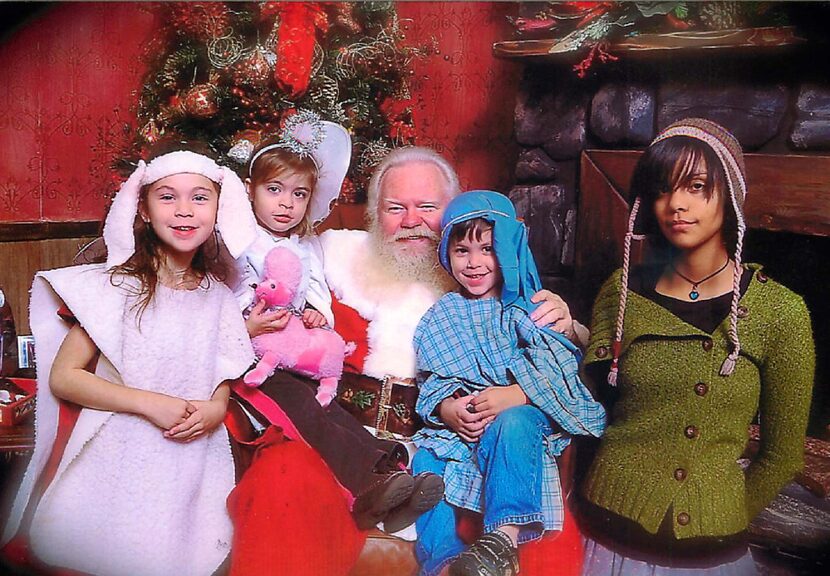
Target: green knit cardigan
(678, 427)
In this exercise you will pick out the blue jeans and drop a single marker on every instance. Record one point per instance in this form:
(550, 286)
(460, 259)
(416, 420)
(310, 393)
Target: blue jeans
(510, 457)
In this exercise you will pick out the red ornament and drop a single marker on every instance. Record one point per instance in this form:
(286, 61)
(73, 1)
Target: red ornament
(150, 132)
(402, 132)
(200, 101)
(345, 18)
(348, 192)
(268, 10)
(298, 25)
(253, 70)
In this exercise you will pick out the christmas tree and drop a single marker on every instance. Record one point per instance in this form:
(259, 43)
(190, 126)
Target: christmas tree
(229, 73)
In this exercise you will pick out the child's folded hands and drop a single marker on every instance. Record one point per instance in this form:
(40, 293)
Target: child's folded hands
(496, 399)
(206, 416)
(166, 411)
(469, 425)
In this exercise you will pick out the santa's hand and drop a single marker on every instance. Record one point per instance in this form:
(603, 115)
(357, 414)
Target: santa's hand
(553, 312)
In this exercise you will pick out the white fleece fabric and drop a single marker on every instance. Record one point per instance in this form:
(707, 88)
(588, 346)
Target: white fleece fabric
(393, 311)
(125, 500)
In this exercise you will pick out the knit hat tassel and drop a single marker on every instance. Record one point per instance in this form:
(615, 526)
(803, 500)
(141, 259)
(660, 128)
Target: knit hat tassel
(728, 150)
(728, 365)
(612, 373)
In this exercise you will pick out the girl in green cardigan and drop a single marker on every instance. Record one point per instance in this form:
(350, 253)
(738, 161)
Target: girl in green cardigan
(692, 347)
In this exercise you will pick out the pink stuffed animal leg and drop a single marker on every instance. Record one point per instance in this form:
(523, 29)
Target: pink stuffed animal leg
(264, 368)
(326, 391)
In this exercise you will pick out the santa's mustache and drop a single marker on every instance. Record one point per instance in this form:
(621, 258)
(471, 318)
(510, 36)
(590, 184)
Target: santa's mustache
(420, 231)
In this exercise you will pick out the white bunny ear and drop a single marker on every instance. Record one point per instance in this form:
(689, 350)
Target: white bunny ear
(118, 228)
(235, 221)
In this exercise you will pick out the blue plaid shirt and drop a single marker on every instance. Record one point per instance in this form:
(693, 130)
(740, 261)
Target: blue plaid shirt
(474, 344)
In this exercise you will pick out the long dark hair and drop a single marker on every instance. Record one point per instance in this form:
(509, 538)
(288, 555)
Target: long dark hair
(665, 165)
(149, 252)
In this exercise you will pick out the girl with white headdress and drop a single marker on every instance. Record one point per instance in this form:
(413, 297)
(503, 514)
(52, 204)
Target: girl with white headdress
(693, 345)
(137, 482)
(293, 182)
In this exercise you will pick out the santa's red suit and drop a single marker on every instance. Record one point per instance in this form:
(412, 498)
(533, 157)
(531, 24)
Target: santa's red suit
(303, 531)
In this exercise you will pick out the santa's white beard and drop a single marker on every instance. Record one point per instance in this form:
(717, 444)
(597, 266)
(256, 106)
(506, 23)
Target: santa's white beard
(396, 262)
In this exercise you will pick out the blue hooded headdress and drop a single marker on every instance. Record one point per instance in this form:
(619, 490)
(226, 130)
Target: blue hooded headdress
(518, 268)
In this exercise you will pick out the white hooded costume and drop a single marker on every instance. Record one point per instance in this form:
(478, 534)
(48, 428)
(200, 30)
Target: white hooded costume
(124, 499)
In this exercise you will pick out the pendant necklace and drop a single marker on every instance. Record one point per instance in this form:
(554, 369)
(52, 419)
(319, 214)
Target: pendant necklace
(693, 293)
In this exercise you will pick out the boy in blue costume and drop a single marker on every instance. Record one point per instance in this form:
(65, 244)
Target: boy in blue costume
(499, 396)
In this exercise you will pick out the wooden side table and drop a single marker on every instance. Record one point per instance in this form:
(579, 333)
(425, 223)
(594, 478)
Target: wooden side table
(19, 439)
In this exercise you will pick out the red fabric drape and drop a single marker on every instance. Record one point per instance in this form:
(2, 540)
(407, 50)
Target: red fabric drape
(290, 517)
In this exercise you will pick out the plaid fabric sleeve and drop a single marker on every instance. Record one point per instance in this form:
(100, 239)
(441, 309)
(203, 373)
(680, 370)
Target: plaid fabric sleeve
(549, 375)
(431, 392)
(437, 345)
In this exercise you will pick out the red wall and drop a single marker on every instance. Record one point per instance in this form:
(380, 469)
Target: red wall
(70, 73)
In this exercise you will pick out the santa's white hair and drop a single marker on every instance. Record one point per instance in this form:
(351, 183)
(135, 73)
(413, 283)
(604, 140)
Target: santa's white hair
(403, 157)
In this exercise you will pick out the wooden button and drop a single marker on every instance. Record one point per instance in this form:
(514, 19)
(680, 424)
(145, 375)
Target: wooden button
(743, 312)
(680, 474)
(683, 519)
(762, 278)
(707, 344)
(691, 432)
(601, 352)
(701, 389)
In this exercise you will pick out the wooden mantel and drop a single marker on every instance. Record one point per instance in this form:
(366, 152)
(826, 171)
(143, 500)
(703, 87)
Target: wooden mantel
(644, 44)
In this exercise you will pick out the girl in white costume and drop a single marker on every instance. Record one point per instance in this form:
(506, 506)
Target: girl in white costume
(141, 484)
(292, 183)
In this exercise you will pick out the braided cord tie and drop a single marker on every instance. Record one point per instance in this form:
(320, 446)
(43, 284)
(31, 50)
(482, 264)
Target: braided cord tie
(737, 194)
(616, 346)
(731, 360)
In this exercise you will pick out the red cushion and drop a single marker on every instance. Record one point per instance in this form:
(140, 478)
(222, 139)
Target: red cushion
(557, 553)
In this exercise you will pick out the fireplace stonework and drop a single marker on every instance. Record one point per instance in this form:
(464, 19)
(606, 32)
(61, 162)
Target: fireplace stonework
(773, 102)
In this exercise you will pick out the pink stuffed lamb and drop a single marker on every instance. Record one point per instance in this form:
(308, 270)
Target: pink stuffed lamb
(314, 352)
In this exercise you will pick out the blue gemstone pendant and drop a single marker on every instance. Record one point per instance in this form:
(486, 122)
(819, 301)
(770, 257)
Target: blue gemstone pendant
(694, 294)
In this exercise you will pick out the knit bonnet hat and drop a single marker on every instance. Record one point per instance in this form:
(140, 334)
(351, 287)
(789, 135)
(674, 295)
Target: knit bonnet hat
(727, 149)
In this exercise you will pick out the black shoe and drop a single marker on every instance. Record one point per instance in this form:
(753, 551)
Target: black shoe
(491, 555)
(387, 492)
(428, 491)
